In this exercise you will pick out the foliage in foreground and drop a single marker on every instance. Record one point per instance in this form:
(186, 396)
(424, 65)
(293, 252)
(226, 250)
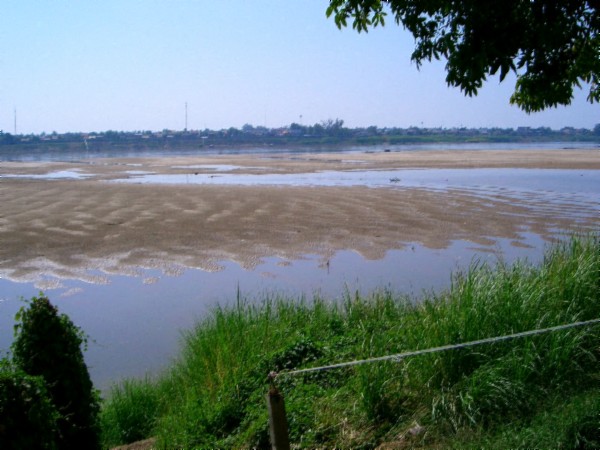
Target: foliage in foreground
(515, 392)
(550, 46)
(27, 416)
(48, 346)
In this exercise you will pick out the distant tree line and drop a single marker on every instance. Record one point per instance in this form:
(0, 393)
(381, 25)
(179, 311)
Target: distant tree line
(327, 132)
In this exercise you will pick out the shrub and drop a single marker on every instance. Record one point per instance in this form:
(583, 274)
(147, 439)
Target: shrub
(49, 345)
(27, 416)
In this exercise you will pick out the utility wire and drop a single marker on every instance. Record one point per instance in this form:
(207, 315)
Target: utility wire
(399, 356)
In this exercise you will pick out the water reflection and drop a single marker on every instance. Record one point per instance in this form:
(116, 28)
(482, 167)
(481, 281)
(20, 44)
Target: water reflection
(135, 321)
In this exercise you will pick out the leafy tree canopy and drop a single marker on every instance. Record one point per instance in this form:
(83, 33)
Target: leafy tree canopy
(551, 45)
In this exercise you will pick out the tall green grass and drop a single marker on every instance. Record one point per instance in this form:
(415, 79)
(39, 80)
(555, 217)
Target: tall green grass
(214, 395)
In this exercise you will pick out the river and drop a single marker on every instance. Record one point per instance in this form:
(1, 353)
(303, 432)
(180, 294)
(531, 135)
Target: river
(135, 322)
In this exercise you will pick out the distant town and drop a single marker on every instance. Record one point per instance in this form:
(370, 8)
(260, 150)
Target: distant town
(326, 133)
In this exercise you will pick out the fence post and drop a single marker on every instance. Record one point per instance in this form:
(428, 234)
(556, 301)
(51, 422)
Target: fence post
(278, 429)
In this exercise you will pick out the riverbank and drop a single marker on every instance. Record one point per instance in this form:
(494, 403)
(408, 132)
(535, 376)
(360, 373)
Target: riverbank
(65, 219)
(538, 391)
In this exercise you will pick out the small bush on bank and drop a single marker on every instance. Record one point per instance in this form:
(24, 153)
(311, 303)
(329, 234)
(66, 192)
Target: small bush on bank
(28, 419)
(48, 345)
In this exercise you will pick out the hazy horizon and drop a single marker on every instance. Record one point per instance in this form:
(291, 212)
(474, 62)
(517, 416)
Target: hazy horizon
(191, 130)
(133, 65)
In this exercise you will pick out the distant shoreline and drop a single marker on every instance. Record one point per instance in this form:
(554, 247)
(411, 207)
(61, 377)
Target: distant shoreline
(78, 150)
(294, 137)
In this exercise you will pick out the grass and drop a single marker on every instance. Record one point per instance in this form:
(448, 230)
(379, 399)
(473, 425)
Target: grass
(523, 392)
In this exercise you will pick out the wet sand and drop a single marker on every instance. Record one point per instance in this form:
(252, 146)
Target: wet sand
(65, 227)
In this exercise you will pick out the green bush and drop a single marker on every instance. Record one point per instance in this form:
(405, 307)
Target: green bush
(49, 345)
(28, 419)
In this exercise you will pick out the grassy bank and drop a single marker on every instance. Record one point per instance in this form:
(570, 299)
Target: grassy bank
(539, 391)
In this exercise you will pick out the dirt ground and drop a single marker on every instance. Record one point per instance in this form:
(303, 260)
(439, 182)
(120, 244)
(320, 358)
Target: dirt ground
(64, 227)
(146, 444)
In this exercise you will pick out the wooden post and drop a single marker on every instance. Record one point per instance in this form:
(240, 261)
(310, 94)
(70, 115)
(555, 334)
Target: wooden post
(278, 428)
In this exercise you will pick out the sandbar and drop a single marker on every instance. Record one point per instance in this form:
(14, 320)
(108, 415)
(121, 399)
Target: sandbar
(91, 225)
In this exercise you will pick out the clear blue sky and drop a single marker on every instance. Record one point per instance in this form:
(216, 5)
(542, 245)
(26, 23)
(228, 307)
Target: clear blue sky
(132, 65)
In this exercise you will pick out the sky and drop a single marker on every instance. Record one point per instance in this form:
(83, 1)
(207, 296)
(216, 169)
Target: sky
(133, 65)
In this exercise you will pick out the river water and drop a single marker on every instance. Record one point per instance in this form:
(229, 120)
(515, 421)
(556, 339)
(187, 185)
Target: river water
(134, 322)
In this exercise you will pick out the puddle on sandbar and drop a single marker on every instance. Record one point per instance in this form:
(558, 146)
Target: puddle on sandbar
(57, 175)
(216, 167)
(553, 180)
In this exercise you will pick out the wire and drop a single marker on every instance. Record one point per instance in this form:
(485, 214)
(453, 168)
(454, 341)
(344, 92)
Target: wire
(400, 356)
